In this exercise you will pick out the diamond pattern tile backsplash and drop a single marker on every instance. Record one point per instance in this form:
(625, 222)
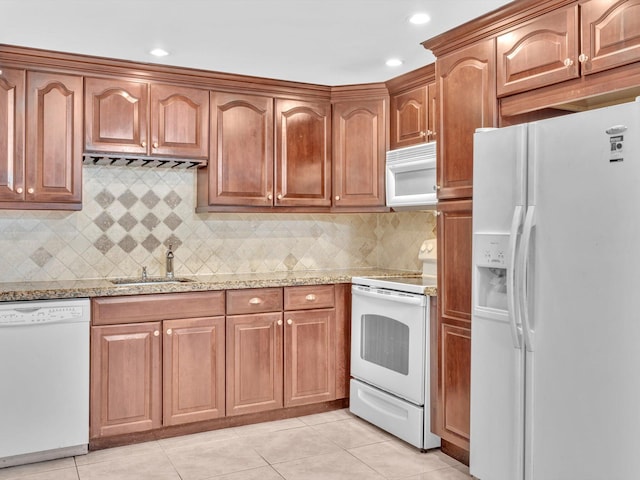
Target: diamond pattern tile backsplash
(131, 215)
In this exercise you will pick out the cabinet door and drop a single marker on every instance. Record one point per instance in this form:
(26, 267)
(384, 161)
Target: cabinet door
(126, 382)
(116, 116)
(303, 153)
(240, 171)
(193, 370)
(254, 363)
(467, 101)
(11, 134)
(454, 322)
(309, 357)
(54, 138)
(179, 121)
(432, 118)
(409, 117)
(538, 53)
(610, 34)
(359, 148)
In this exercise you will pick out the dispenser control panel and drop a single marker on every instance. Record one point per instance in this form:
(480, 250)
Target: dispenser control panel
(491, 249)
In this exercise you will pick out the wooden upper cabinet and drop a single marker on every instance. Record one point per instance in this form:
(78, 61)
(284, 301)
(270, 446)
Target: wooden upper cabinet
(432, 115)
(12, 84)
(54, 138)
(138, 118)
(303, 153)
(179, 121)
(240, 171)
(538, 53)
(409, 111)
(359, 147)
(116, 116)
(610, 34)
(467, 101)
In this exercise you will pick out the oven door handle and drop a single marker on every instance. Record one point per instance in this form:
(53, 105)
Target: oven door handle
(388, 295)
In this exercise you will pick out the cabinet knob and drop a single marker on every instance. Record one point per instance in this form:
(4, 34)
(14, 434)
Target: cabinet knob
(0, 71)
(270, 196)
(255, 301)
(423, 134)
(279, 322)
(337, 197)
(19, 190)
(143, 144)
(438, 213)
(438, 187)
(310, 298)
(289, 322)
(155, 144)
(30, 190)
(583, 58)
(279, 196)
(156, 333)
(169, 331)
(568, 62)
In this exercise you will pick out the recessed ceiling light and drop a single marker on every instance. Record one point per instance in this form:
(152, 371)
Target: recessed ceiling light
(419, 18)
(393, 62)
(159, 52)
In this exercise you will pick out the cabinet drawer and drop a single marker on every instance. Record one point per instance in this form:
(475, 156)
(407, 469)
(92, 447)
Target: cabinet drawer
(163, 306)
(254, 300)
(308, 297)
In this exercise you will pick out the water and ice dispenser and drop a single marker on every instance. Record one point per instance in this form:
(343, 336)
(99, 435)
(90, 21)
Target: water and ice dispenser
(491, 271)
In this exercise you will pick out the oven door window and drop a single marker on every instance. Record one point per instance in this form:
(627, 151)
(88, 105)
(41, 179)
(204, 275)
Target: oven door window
(385, 342)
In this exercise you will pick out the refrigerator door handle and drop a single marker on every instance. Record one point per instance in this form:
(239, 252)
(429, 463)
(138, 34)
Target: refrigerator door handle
(527, 329)
(514, 323)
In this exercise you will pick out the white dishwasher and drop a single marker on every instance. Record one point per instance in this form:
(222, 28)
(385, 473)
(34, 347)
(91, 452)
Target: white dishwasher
(44, 380)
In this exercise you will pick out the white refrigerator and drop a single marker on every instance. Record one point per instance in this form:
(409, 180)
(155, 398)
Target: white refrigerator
(555, 342)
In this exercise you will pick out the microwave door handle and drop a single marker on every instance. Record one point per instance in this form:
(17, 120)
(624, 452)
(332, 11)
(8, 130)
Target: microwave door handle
(390, 296)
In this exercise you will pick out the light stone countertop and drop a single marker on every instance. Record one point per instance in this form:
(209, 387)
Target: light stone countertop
(104, 288)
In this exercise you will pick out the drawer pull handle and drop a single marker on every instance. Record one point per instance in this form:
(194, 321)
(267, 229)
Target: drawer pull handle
(255, 301)
(311, 297)
(289, 322)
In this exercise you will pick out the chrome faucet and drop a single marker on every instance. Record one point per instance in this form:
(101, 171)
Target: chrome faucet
(170, 256)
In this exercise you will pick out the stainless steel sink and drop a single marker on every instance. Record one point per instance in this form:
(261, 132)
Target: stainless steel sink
(129, 282)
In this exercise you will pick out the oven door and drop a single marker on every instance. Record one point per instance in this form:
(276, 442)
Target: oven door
(388, 341)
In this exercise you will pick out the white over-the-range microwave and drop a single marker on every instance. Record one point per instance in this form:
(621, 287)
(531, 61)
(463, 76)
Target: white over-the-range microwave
(410, 176)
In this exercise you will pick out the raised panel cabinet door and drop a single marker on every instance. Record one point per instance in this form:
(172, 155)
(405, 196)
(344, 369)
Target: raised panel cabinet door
(126, 379)
(454, 382)
(116, 116)
(12, 84)
(254, 363)
(541, 52)
(179, 121)
(193, 369)
(303, 153)
(309, 357)
(53, 156)
(454, 260)
(432, 118)
(240, 170)
(467, 101)
(610, 34)
(359, 146)
(409, 117)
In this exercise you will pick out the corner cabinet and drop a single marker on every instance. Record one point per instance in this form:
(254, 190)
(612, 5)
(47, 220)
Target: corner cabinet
(467, 101)
(302, 153)
(43, 112)
(145, 119)
(359, 148)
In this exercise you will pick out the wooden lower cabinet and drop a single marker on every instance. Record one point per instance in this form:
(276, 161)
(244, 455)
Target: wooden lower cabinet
(453, 329)
(254, 362)
(309, 357)
(126, 378)
(193, 370)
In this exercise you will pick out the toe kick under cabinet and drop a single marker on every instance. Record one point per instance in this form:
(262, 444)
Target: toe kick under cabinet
(162, 360)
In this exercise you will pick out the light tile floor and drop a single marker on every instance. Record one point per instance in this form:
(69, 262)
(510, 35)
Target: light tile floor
(328, 446)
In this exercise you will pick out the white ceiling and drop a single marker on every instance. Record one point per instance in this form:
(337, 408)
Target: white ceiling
(327, 42)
